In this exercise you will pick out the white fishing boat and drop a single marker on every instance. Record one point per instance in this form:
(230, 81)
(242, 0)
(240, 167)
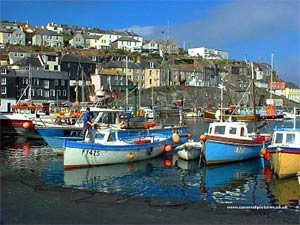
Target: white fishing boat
(190, 150)
(107, 148)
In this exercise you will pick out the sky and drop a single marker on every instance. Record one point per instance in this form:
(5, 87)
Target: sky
(246, 29)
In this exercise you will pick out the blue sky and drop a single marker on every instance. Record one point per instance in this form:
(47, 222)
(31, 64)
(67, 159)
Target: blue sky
(244, 28)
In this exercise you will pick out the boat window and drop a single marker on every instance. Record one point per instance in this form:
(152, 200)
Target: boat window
(220, 130)
(110, 138)
(278, 138)
(290, 138)
(210, 130)
(232, 130)
(243, 131)
(99, 136)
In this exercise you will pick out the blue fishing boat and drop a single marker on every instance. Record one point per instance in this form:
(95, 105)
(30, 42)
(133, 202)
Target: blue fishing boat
(109, 148)
(228, 142)
(54, 135)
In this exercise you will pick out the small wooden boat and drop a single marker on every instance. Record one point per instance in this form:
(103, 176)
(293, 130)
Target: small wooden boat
(209, 115)
(108, 148)
(230, 142)
(190, 150)
(285, 152)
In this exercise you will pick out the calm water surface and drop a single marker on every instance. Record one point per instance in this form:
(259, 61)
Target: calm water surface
(242, 184)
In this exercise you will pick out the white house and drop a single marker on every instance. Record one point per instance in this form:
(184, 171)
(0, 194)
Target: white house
(208, 53)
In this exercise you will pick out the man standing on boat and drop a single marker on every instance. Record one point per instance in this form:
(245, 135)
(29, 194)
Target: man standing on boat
(88, 123)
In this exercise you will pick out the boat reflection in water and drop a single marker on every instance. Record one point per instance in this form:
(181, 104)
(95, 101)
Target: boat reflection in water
(136, 178)
(229, 183)
(18, 152)
(286, 192)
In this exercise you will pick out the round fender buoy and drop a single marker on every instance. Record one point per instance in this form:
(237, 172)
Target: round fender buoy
(203, 138)
(168, 148)
(189, 135)
(130, 156)
(175, 138)
(27, 125)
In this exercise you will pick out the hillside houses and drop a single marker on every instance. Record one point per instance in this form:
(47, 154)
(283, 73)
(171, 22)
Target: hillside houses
(71, 59)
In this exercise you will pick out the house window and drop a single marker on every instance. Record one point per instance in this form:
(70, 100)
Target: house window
(36, 81)
(55, 82)
(56, 67)
(3, 80)
(64, 93)
(25, 81)
(3, 90)
(22, 91)
(40, 92)
(32, 92)
(46, 93)
(52, 92)
(46, 83)
(63, 83)
(58, 93)
(46, 67)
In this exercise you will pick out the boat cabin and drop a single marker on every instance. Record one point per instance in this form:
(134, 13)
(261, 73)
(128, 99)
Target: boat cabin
(286, 137)
(228, 129)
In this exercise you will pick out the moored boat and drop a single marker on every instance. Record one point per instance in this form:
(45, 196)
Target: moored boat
(106, 118)
(228, 142)
(108, 148)
(285, 152)
(190, 150)
(16, 125)
(209, 115)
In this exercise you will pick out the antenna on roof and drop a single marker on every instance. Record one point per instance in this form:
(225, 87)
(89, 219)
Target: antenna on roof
(168, 37)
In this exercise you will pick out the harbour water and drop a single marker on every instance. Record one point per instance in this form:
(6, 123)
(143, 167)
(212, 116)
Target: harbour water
(248, 183)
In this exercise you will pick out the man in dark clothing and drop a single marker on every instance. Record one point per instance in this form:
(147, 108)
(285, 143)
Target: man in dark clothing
(88, 122)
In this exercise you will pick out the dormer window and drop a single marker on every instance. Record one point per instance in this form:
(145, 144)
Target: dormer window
(151, 65)
(3, 70)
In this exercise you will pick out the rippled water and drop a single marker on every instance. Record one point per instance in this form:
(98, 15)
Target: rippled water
(244, 184)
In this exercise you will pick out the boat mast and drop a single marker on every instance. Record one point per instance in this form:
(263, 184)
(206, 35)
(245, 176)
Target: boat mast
(222, 102)
(82, 86)
(126, 79)
(253, 96)
(271, 85)
(30, 82)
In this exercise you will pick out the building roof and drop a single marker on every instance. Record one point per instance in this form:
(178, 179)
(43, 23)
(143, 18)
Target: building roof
(76, 58)
(126, 38)
(32, 60)
(121, 64)
(48, 33)
(43, 74)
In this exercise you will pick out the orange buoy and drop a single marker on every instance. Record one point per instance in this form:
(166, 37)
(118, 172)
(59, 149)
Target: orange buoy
(267, 156)
(168, 148)
(263, 151)
(168, 162)
(189, 135)
(203, 138)
(130, 156)
(175, 138)
(27, 148)
(27, 125)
